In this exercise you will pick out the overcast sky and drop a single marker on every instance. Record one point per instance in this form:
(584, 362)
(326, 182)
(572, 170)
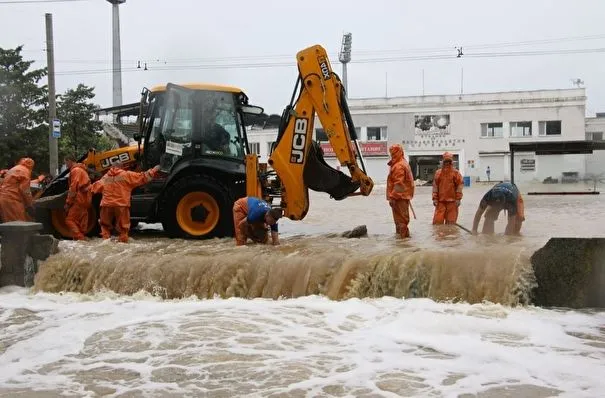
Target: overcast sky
(252, 44)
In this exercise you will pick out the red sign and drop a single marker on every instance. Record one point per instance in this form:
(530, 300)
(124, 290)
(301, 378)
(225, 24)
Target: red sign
(378, 148)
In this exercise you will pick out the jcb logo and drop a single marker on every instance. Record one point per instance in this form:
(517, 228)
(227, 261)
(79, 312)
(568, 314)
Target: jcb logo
(323, 65)
(299, 139)
(122, 157)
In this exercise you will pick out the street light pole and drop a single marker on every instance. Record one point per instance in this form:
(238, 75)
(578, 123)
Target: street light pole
(345, 57)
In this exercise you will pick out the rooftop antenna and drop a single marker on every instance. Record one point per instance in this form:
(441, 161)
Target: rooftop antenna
(577, 82)
(345, 57)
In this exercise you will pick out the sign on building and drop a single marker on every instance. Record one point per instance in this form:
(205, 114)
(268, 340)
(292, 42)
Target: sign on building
(367, 149)
(431, 125)
(528, 164)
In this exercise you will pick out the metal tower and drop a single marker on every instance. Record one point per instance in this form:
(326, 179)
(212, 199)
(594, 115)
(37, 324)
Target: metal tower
(117, 58)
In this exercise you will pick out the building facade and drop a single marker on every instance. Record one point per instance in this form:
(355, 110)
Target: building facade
(475, 128)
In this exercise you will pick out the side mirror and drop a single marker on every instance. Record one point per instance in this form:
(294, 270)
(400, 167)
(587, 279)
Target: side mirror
(251, 109)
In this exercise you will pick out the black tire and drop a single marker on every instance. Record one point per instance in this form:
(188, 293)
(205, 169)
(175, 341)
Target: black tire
(195, 185)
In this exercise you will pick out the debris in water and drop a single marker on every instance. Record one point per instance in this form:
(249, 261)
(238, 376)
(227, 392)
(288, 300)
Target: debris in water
(357, 232)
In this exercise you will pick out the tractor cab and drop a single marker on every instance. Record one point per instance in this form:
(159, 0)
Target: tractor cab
(193, 121)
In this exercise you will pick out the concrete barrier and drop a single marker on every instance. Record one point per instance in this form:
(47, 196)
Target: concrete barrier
(21, 248)
(570, 272)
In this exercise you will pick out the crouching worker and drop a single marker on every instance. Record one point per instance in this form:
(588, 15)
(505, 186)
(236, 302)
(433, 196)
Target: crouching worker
(251, 216)
(16, 202)
(79, 198)
(116, 187)
(503, 196)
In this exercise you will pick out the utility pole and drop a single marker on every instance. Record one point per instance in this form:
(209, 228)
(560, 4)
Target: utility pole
(53, 136)
(345, 57)
(117, 56)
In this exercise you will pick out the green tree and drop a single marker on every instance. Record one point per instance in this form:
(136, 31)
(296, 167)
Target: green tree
(79, 131)
(23, 110)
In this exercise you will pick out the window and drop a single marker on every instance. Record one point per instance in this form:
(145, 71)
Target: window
(377, 133)
(596, 136)
(491, 130)
(220, 125)
(320, 135)
(552, 127)
(254, 147)
(358, 132)
(520, 129)
(270, 147)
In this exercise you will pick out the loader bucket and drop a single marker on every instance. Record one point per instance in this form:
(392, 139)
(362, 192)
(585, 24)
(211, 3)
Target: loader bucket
(51, 202)
(570, 272)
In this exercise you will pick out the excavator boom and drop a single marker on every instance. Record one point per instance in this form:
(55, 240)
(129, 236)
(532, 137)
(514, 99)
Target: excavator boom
(297, 159)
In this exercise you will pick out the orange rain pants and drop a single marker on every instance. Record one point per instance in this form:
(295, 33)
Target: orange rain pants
(445, 212)
(121, 214)
(401, 216)
(77, 221)
(257, 232)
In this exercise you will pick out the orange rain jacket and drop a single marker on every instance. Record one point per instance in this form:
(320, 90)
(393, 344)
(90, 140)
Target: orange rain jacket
(400, 183)
(117, 185)
(447, 184)
(79, 184)
(15, 193)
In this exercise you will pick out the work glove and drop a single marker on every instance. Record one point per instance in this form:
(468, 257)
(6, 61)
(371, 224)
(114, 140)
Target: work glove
(458, 203)
(435, 203)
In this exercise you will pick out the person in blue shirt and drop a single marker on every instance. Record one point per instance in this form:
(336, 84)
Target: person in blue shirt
(251, 219)
(502, 196)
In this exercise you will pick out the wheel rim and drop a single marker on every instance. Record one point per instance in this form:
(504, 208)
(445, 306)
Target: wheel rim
(58, 216)
(185, 213)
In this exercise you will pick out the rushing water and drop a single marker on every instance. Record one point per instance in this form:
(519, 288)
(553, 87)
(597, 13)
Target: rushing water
(162, 317)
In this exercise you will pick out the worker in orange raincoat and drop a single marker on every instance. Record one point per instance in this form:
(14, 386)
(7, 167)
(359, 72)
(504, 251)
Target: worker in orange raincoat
(79, 198)
(251, 216)
(116, 187)
(400, 189)
(447, 192)
(15, 194)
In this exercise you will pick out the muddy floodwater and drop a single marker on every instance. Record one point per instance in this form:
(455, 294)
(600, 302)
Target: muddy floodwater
(441, 314)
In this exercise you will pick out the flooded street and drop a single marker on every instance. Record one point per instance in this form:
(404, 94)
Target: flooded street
(318, 316)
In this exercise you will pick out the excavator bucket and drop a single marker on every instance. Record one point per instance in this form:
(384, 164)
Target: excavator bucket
(320, 177)
(570, 272)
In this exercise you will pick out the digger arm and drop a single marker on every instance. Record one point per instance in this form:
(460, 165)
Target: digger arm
(297, 159)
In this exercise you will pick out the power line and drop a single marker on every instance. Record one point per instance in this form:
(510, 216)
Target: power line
(37, 1)
(251, 65)
(430, 51)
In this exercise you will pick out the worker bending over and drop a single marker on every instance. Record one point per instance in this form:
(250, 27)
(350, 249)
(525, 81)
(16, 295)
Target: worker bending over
(503, 196)
(400, 190)
(116, 187)
(15, 194)
(79, 198)
(447, 192)
(251, 216)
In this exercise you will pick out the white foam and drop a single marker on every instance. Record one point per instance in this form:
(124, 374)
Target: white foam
(278, 346)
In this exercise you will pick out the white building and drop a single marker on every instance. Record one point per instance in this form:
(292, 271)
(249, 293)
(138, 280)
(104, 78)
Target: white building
(475, 128)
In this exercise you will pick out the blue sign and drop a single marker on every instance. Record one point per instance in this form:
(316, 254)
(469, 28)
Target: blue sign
(56, 128)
